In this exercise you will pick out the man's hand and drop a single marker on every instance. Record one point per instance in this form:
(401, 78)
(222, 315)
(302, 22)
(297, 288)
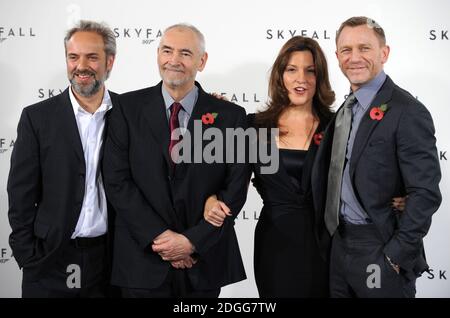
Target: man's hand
(399, 203)
(184, 263)
(215, 211)
(172, 246)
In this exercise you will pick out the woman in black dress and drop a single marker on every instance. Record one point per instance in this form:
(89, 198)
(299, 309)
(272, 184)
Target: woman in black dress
(287, 260)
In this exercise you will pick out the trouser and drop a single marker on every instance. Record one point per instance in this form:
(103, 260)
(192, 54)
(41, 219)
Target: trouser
(359, 267)
(176, 285)
(80, 271)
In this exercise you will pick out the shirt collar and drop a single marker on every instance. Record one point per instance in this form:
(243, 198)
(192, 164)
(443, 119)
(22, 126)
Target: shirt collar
(187, 102)
(104, 106)
(366, 93)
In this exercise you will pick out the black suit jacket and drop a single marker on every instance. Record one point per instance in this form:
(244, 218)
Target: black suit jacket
(150, 199)
(393, 157)
(46, 183)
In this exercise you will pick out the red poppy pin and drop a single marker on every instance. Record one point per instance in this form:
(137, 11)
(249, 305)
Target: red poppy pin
(377, 113)
(209, 118)
(318, 138)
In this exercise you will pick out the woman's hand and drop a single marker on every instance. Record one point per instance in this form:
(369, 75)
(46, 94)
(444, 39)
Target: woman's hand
(215, 211)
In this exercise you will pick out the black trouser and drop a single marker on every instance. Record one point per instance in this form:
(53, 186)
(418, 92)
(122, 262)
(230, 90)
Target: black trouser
(176, 285)
(60, 280)
(359, 267)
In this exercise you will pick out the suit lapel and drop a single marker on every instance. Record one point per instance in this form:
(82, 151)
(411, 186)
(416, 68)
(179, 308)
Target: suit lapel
(69, 125)
(309, 160)
(367, 125)
(155, 113)
(319, 171)
(155, 118)
(201, 107)
(105, 130)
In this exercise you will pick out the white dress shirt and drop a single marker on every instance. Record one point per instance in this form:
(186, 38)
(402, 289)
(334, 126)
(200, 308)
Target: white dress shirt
(93, 220)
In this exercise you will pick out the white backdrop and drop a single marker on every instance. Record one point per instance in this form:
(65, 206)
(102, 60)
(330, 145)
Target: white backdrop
(242, 39)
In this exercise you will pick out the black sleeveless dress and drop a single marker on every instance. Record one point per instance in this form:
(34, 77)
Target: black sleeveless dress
(287, 261)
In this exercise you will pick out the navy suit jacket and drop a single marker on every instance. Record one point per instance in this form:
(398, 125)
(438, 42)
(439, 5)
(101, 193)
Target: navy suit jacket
(394, 156)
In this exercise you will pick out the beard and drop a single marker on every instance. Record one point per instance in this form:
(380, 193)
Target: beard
(87, 90)
(174, 82)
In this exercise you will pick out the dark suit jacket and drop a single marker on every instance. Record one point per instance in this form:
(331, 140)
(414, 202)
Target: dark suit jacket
(393, 157)
(150, 199)
(46, 183)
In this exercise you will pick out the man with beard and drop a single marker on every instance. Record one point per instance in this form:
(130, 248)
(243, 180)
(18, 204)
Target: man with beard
(163, 247)
(57, 204)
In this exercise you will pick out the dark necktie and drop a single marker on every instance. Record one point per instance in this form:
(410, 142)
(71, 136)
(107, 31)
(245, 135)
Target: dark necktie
(174, 124)
(338, 152)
